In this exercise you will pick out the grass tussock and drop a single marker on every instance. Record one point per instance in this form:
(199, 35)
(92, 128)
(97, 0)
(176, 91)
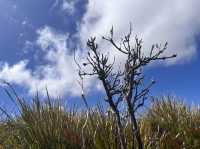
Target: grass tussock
(44, 125)
(168, 123)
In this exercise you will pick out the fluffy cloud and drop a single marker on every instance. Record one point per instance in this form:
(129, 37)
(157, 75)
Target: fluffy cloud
(154, 21)
(17, 72)
(59, 74)
(69, 6)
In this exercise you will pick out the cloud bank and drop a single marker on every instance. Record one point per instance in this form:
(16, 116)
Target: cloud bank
(155, 21)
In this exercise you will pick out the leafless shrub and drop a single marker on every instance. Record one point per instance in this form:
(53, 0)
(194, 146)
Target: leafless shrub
(124, 85)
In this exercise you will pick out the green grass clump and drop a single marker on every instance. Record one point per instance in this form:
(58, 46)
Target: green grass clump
(42, 125)
(47, 124)
(170, 123)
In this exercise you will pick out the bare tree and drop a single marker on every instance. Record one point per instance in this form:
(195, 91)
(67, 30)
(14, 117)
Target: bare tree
(124, 85)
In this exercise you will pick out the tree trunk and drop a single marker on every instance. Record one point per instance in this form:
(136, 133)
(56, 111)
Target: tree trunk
(136, 131)
(120, 132)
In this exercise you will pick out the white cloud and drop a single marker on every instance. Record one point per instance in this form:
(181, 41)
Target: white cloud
(59, 75)
(50, 39)
(154, 21)
(17, 72)
(69, 6)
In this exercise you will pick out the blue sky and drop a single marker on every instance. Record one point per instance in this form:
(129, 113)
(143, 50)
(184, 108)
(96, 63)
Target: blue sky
(37, 39)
